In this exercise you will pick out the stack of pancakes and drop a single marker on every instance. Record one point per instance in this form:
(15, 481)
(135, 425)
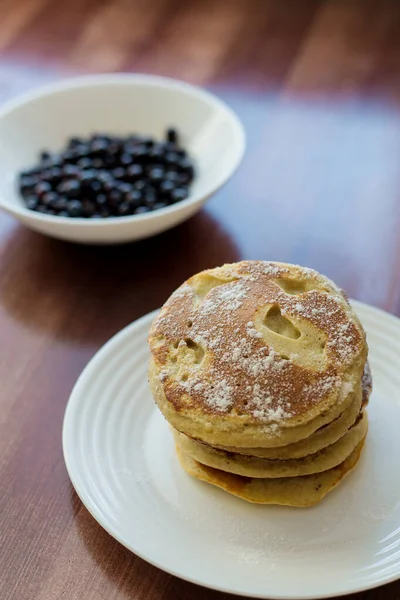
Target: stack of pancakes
(261, 369)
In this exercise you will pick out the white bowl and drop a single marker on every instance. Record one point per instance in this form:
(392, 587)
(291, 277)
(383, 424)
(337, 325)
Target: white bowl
(117, 104)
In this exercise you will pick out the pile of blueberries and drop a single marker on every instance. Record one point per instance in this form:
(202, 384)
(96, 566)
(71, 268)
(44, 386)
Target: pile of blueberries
(109, 176)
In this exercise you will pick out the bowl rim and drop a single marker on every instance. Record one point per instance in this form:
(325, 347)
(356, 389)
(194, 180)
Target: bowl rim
(106, 79)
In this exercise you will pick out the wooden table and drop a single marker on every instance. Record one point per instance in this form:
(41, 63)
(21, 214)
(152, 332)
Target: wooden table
(317, 84)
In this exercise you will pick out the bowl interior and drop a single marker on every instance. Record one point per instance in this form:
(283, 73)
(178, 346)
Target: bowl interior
(209, 131)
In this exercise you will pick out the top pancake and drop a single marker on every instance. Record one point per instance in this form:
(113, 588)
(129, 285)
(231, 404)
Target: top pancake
(255, 354)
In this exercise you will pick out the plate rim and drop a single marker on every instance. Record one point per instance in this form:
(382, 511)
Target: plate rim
(96, 514)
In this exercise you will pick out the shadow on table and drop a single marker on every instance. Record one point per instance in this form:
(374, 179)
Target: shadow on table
(87, 293)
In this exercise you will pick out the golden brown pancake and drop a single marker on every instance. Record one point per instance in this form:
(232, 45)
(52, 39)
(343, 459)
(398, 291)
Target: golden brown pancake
(293, 491)
(255, 355)
(323, 437)
(250, 466)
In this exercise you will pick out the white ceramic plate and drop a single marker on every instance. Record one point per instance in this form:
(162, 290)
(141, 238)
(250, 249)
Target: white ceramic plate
(120, 457)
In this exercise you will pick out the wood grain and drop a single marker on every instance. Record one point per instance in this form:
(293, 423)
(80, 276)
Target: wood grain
(317, 85)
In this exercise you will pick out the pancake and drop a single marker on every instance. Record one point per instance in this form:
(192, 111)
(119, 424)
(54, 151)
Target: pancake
(254, 467)
(323, 437)
(255, 355)
(235, 428)
(255, 350)
(294, 491)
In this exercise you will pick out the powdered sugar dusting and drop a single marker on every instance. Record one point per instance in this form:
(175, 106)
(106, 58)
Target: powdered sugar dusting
(274, 270)
(163, 375)
(251, 331)
(324, 385)
(342, 341)
(226, 297)
(220, 396)
(183, 291)
(264, 408)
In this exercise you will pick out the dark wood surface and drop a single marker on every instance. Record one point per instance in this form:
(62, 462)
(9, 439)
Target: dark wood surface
(317, 85)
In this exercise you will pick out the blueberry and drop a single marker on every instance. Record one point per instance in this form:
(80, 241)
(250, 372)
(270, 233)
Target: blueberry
(124, 209)
(45, 175)
(168, 147)
(124, 188)
(184, 179)
(101, 138)
(172, 135)
(26, 185)
(63, 213)
(70, 170)
(101, 200)
(74, 141)
(71, 157)
(140, 185)
(69, 188)
(32, 202)
(167, 186)
(98, 147)
(44, 156)
(42, 188)
(128, 149)
(139, 153)
(150, 197)
(113, 150)
(97, 163)
(109, 186)
(118, 173)
(172, 158)
(56, 161)
(94, 188)
(74, 208)
(60, 204)
(55, 175)
(87, 177)
(141, 210)
(134, 172)
(89, 208)
(179, 194)
(156, 153)
(49, 198)
(41, 208)
(134, 198)
(114, 197)
(84, 163)
(156, 175)
(104, 177)
(126, 159)
(186, 166)
(158, 205)
(81, 151)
